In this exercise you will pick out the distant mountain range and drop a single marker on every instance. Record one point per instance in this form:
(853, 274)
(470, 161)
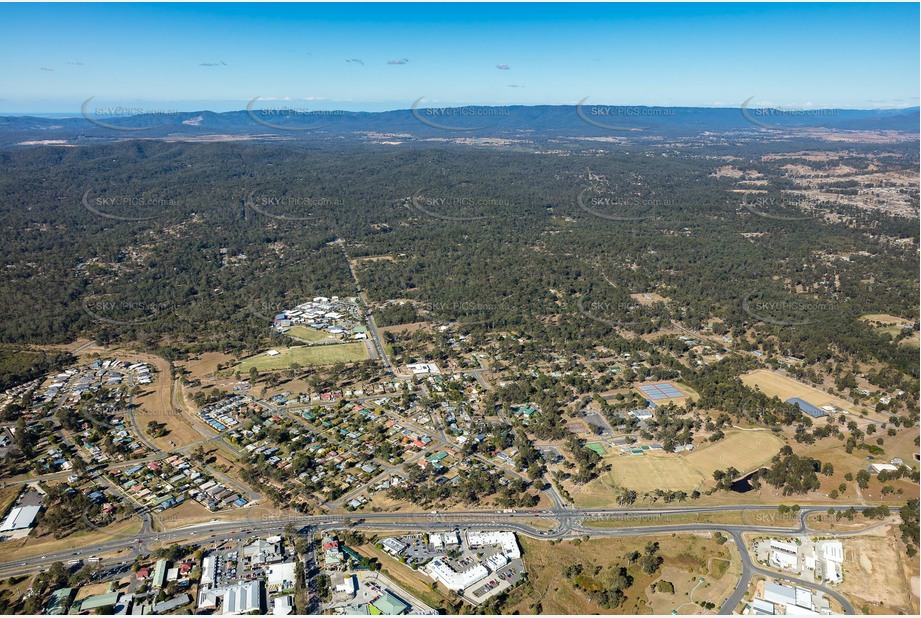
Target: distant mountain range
(539, 122)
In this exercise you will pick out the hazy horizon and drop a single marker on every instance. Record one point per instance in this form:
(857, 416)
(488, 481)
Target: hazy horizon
(376, 57)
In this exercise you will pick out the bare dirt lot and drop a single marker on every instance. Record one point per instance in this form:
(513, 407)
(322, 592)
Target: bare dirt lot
(878, 575)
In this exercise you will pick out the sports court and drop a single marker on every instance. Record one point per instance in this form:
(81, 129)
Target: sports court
(660, 391)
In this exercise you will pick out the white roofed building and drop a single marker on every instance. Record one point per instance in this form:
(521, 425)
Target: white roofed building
(444, 539)
(833, 550)
(208, 571)
(281, 576)
(20, 518)
(242, 598)
(507, 540)
(439, 570)
(393, 546)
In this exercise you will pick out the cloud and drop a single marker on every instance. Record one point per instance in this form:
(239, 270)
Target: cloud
(401, 61)
(515, 86)
(212, 64)
(356, 60)
(503, 67)
(47, 69)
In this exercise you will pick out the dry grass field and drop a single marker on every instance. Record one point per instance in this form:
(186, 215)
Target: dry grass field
(831, 451)
(772, 383)
(885, 319)
(8, 496)
(687, 559)
(408, 329)
(892, 326)
(306, 355)
(36, 545)
(734, 518)
(743, 450)
(156, 404)
(206, 364)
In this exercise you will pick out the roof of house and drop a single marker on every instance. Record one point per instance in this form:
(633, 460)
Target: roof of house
(171, 604)
(57, 602)
(99, 600)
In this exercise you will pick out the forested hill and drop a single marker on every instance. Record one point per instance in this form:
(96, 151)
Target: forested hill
(422, 120)
(191, 245)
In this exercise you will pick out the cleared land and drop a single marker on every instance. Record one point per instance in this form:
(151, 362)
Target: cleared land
(687, 559)
(774, 384)
(648, 298)
(743, 450)
(306, 355)
(885, 319)
(206, 364)
(879, 558)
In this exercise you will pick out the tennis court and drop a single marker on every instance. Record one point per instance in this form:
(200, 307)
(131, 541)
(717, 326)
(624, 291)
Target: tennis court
(660, 391)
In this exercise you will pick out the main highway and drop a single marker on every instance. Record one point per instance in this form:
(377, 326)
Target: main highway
(570, 523)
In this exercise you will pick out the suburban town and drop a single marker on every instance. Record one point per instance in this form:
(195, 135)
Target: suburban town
(501, 309)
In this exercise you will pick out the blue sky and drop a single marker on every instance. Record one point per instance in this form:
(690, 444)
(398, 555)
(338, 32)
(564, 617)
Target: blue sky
(375, 57)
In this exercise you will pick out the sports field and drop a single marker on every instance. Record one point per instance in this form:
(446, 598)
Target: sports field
(772, 383)
(306, 355)
(743, 450)
(309, 334)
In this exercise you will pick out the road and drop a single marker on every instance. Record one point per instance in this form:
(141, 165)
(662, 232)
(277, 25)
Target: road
(570, 525)
(749, 570)
(372, 327)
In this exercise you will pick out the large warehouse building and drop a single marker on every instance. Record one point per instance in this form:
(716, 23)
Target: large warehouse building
(807, 408)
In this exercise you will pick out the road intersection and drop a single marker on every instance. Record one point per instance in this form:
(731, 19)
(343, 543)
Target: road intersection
(570, 524)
